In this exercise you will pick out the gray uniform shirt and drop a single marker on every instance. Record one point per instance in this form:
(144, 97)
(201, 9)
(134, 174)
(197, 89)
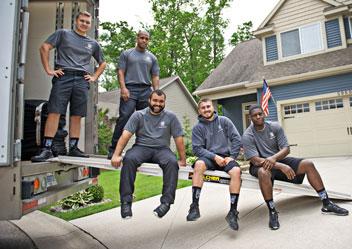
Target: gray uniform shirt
(216, 137)
(138, 66)
(74, 52)
(264, 143)
(154, 130)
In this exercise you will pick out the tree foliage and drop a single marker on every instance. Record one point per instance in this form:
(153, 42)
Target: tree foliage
(243, 33)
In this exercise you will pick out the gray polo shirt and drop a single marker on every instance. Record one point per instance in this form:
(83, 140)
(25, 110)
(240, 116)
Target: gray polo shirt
(216, 137)
(154, 130)
(74, 52)
(264, 143)
(138, 66)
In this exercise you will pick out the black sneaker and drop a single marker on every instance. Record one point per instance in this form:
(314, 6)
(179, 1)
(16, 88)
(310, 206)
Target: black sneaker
(162, 209)
(193, 213)
(274, 220)
(231, 219)
(76, 152)
(126, 210)
(44, 154)
(332, 208)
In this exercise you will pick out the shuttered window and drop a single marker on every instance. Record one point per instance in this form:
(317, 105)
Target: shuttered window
(271, 48)
(348, 28)
(333, 34)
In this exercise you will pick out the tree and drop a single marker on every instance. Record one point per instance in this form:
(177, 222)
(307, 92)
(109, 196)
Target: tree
(243, 33)
(115, 38)
(104, 131)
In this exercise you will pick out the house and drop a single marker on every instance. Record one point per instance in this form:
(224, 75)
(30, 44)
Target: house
(304, 51)
(178, 100)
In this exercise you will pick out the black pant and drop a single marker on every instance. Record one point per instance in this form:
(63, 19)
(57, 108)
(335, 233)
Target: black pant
(140, 154)
(138, 100)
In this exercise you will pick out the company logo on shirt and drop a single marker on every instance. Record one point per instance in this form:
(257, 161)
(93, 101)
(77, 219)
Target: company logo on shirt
(220, 128)
(162, 125)
(271, 135)
(89, 46)
(148, 59)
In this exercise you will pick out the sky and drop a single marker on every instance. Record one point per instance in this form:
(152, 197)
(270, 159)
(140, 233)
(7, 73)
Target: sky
(136, 11)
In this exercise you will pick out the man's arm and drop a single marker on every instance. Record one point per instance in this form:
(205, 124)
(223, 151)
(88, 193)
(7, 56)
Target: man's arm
(155, 82)
(121, 144)
(125, 94)
(181, 150)
(98, 72)
(44, 56)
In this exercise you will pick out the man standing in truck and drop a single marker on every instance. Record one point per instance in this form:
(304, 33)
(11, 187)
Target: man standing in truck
(71, 78)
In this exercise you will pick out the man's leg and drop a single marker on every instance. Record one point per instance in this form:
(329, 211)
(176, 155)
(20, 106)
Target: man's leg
(168, 163)
(197, 184)
(75, 131)
(307, 167)
(132, 160)
(126, 109)
(266, 187)
(233, 169)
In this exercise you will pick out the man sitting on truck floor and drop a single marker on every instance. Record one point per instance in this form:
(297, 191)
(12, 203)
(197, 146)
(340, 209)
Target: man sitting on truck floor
(266, 146)
(71, 79)
(153, 127)
(216, 142)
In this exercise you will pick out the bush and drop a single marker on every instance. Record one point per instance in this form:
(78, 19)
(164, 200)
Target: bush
(97, 191)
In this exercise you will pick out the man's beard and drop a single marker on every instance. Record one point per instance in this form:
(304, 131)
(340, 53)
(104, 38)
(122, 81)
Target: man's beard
(211, 115)
(152, 108)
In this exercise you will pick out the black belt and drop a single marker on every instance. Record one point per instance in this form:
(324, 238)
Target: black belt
(75, 72)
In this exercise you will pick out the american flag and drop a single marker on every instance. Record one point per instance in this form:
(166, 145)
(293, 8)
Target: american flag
(266, 95)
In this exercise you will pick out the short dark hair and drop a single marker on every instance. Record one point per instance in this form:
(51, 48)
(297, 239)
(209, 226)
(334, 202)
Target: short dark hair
(204, 100)
(83, 13)
(140, 32)
(157, 92)
(253, 107)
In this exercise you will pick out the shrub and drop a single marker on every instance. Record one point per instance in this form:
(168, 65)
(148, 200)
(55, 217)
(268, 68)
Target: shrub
(97, 191)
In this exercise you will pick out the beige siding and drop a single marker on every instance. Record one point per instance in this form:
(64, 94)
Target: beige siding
(295, 13)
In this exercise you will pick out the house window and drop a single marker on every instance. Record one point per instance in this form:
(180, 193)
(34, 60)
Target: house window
(348, 26)
(329, 104)
(296, 108)
(351, 101)
(303, 40)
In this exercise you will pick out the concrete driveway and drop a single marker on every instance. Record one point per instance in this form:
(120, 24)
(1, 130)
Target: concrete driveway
(302, 224)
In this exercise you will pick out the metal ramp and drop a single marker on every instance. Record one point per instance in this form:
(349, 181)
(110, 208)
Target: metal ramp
(185, 173)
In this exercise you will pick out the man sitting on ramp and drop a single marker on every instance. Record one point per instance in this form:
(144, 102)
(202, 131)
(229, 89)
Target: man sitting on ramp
(153, 127)
(216, 142)
(266, 146)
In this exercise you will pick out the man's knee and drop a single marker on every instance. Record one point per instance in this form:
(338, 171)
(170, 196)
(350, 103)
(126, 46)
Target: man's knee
(264, 174)
(306, 166)
(129, 160)
(235, 172)
(199, 167)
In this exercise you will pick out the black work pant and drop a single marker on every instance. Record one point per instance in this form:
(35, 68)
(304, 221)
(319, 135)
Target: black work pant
(140, 154)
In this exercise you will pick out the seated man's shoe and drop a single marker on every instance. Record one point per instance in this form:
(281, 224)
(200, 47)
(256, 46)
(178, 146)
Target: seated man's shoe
(126, 210)
(76, 152)
(231, 219)
(162, 209)
(44, 154)
(274, 220)
(332, 208)
(193, 213)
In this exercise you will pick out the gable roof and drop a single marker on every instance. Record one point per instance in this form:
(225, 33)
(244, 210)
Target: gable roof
(333, 3)
(244, 66)
(114, 95)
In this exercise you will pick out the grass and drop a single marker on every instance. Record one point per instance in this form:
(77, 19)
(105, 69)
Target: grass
(145, 187)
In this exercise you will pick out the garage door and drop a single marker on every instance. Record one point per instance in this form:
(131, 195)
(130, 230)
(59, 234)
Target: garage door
(321, 127)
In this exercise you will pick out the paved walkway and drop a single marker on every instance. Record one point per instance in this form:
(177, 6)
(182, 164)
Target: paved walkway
(302, 224)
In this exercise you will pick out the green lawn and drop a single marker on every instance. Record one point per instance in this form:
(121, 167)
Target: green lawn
(145, 187)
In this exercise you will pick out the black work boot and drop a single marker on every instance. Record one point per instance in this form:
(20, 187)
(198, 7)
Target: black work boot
(232, 218)
(76, 152)
(193, 213)
(274, 220)
(126, 210)
(44, 154)
(332, 208)
(162, 209)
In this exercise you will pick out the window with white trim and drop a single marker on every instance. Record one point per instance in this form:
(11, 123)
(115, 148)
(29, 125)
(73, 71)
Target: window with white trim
(303, 40)
(329, 104)
(296, 108)
(350, 101)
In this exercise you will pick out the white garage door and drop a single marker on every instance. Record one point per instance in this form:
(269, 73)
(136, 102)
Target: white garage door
(319, 128)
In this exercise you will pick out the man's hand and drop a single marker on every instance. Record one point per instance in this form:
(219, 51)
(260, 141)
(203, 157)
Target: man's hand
(220, 161)
(228, 159)
(269, 163)
(116, 161)
(57, 73)
(287, 171)
(125, 94)
(181, 163)
(90, 78)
